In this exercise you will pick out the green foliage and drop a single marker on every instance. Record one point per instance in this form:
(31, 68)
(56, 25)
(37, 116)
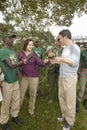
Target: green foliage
(2, 8)
(6, 29)
(45, 37)
(33, 18)
(41, 13)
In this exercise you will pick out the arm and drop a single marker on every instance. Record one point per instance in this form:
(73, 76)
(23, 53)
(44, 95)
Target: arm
(11, 65)
(57, 60)
(65, 60)
(72, 60)
(40, 62)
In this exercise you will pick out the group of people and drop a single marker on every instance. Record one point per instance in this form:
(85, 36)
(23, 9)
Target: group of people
(21, 73)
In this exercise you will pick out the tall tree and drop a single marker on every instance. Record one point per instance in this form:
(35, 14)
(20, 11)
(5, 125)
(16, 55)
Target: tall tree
(42, 12)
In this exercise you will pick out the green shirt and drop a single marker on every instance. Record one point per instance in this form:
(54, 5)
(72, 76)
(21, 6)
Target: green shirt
(83, 58)
(39, 51)
(11, 75)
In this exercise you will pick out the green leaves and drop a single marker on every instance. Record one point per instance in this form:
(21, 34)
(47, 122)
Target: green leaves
(47, 12)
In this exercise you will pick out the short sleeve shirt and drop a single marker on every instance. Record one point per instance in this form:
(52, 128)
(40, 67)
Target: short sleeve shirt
(10, 74)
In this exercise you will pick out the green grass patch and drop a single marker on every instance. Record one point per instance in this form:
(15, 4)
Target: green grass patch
(46, 114)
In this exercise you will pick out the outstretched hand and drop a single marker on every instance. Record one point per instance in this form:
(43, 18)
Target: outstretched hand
(51, 55)
(55, 60)
(46, 61)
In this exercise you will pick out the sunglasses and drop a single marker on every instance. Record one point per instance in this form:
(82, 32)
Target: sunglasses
(58, 39)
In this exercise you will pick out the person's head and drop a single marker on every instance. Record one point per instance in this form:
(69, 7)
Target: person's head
(28, 45)
(8, 40)
(64, 35)
(57, 43)
(37, 43)
(85, 45)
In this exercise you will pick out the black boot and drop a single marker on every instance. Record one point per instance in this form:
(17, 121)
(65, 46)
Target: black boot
(5, 126)
(77, 106)
(85, 103)
(16, 121)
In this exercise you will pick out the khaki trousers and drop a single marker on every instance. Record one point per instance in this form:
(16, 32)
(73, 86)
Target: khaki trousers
(31, 84)
(11, 101)
(67, 98)
(83, 86)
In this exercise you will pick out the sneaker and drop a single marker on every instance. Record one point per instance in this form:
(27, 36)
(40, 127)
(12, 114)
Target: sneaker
(16, 120)
(5, 126)
(60, 119)
(66, 127)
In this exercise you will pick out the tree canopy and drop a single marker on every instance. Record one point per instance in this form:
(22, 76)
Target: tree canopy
(36, 16)
(40, 13)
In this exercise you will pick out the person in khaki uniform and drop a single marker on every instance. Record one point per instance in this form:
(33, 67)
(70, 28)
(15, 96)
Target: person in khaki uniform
(30, 75)
(69, 63)
(82, 92)
(53, 70)
(10, 86)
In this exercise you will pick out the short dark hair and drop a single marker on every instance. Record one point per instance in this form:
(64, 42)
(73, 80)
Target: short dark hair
(65, 32)
(26, 43)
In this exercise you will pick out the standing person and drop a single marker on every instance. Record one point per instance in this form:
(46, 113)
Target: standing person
(10, 86)
(53, 70)
(30, 75)
(69, 63)
(82, 80)
(39, 51)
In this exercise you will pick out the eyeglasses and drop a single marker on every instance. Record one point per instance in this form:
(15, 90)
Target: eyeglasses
(58, 39)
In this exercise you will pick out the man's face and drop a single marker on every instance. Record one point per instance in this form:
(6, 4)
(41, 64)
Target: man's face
(85, 45)
(37, 44)
(61, 40)
(9, 41)
(58, 44)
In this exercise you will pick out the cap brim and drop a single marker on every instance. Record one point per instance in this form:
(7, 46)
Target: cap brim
(13, 36)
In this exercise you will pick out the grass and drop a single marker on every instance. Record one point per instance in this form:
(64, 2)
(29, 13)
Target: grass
(46, 114)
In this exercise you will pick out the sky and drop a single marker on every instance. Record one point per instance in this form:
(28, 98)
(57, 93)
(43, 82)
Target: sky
(78, 28)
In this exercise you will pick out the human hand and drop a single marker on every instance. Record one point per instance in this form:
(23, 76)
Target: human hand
(55, 60)
(46, 61)
(51, 55)
(25, 61)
